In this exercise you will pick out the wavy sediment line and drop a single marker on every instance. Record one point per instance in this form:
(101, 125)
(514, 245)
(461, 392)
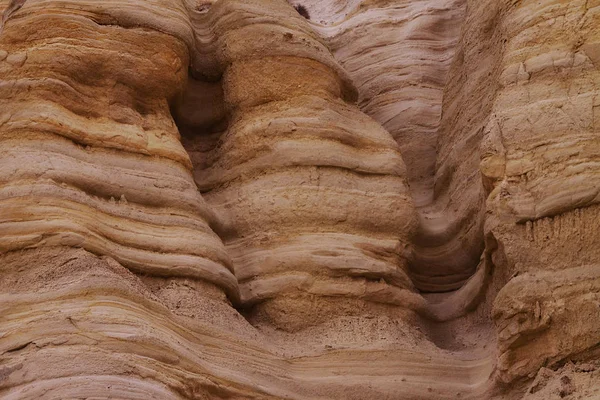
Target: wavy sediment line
(309, 195)
(295, 160)
(388, 40)
(86, 121)
(109, 326)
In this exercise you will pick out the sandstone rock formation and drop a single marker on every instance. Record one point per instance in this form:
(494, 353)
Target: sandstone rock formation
(228, 199)
(312, 191)
(401, 77)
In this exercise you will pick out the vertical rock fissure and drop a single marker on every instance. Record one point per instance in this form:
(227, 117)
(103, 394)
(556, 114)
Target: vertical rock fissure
(404, 93)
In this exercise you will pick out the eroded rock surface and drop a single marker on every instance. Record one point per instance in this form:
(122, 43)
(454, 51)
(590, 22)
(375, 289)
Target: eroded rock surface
(348, 199)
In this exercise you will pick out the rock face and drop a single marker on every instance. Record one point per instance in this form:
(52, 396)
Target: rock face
(292, 169)
(229, 199)
(409, 46)
(91, 155)
(539, 153)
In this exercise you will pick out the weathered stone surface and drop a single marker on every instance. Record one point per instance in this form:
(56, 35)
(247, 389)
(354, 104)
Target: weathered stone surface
(229, 199)
(91, 155)
(520, 104)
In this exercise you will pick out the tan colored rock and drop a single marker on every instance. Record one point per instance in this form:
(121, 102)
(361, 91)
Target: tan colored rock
(312, 190)
(520, 103)
(399, 54)
(227, 199)
(91, 155)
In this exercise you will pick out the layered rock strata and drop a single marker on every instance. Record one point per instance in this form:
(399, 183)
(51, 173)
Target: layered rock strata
(399, 55)
(540, 158)
(519, 123)
(91, 155)
(78, 325)
(313, 191)
(117, 273)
